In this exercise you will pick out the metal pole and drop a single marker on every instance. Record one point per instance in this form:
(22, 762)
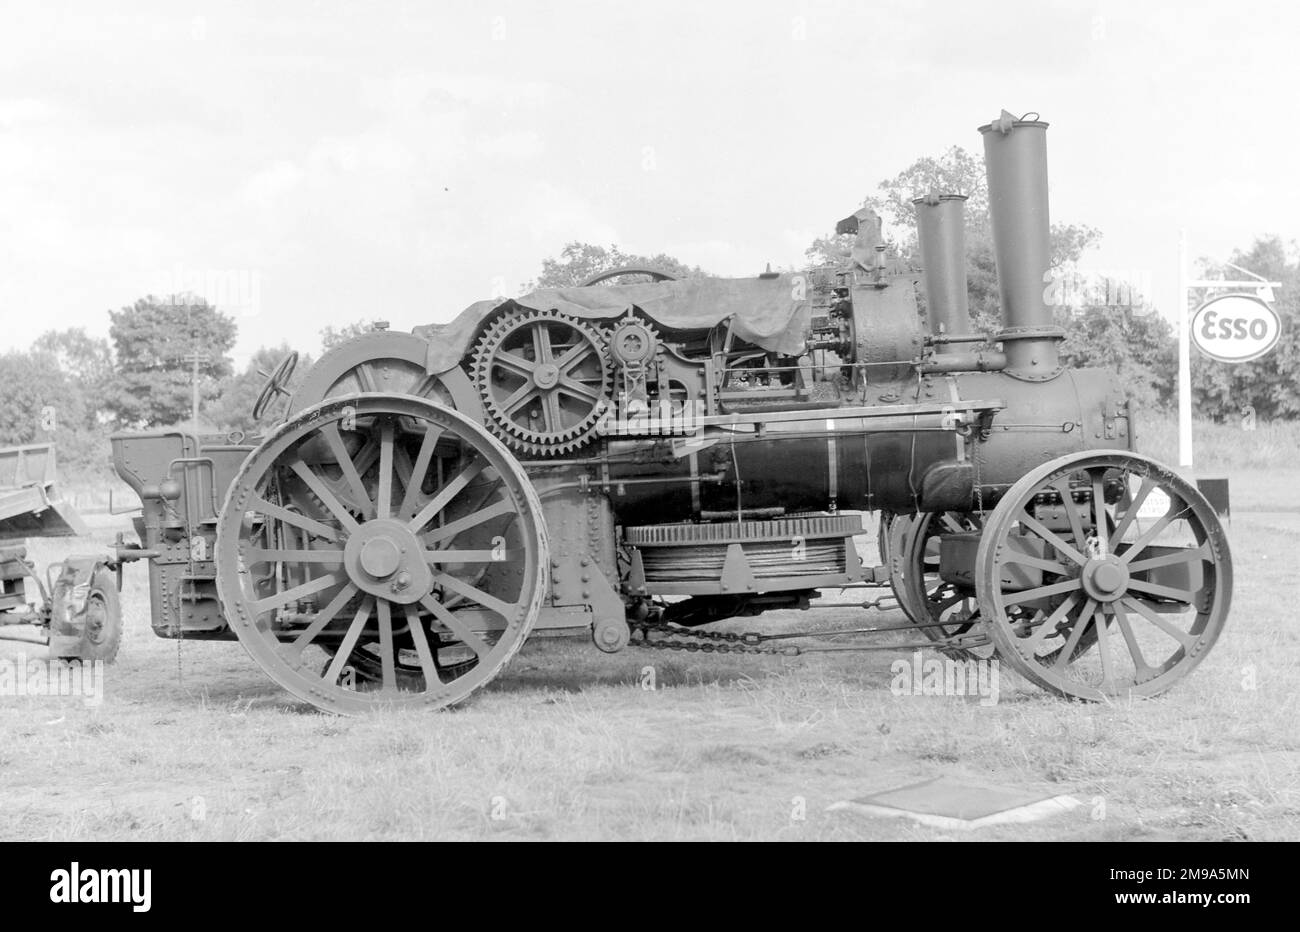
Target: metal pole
(1184, 360)
(195, 404)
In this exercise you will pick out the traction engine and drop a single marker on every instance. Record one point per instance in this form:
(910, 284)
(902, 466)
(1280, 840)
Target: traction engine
(640, 458)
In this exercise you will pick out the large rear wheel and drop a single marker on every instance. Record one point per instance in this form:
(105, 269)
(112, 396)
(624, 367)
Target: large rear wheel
(381, 551)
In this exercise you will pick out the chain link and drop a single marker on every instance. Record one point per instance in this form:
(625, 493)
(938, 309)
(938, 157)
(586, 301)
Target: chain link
(676, 637)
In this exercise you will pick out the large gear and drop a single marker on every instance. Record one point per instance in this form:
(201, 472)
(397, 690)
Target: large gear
(545, 380)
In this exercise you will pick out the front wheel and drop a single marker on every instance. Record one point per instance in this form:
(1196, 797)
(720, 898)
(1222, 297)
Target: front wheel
(1108, 547)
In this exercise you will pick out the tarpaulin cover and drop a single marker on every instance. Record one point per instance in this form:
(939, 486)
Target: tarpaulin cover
(771, 313)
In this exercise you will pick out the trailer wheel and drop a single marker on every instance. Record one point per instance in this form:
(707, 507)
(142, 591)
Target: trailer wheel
(379, 551)
(89, 630)
(1152, 588)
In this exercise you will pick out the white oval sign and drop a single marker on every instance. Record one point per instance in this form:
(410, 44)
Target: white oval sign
(1235, 328)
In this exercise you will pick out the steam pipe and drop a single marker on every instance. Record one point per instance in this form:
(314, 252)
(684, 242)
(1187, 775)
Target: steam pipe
(1015, 158)
(941, 232)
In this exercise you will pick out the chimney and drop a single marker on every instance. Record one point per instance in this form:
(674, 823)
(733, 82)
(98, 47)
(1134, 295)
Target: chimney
(1015, 157)
(941, 232)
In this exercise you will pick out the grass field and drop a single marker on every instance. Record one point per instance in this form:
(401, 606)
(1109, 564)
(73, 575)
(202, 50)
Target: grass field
(193, 741)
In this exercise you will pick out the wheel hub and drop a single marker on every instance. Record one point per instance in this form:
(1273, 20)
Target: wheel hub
(384, 558)
(546, 375)
(1105, 578)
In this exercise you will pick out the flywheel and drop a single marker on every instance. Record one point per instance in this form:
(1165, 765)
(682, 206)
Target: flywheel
(545, 380)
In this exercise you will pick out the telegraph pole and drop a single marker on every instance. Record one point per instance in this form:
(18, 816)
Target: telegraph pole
(196, 358)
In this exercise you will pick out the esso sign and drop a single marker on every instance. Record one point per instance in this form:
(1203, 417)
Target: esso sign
(1235, 328)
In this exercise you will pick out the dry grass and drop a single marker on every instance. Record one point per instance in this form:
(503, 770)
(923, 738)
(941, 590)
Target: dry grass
(195, 743)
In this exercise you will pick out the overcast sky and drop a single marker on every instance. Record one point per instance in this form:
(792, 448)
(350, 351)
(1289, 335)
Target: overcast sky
(316, 163)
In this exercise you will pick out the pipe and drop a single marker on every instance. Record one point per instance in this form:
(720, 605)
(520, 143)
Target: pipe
(975, 361)
(941, 233)
(1015, 159)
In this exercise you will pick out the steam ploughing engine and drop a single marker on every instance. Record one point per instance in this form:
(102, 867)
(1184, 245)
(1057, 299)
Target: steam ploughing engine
(638, 459)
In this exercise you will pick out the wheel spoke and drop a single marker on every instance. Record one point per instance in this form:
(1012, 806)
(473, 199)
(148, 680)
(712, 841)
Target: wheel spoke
(551, 406)
(321, 491)
(1066, 654)
(1103, 647)
(1049, 624)
(1130, 514)
(384, 494)
(427, 664)
(1151, 534)
(505, 609)
(435, 557)
(542, 343)
(1182, 637)
(1099, 505)
(298, 520)
(575, 354)
(520, 396)
(387, 656)
(349, 642)
(1164, 592)
(1041, 592)
(1050, 537)
(323, 617)
(446, 494)
(452, 528)
(1028, 559)
(1185, 555)
(351, 475)
(512, 363)
(1126, 629)
(1071, 508)
(266, 555)
(365, 378)
(419, 471)
(467, 636)
(578, 389)
(297, 592)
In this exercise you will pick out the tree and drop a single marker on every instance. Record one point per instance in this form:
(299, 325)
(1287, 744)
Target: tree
(331, 337)
(1129, 339)
(153, 342)
(579, 262)
(1269, 385)
(85, 361)
(233, 407)
(42, 406)
(957, 171)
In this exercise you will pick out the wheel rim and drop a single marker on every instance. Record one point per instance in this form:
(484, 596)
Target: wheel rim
(1152, 590)
(357, 599)
(927, 597)
(386, 362)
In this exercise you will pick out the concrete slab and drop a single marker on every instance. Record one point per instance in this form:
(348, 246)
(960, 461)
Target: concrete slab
(944, 802)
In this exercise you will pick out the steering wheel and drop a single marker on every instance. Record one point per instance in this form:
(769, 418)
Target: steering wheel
(275, 385)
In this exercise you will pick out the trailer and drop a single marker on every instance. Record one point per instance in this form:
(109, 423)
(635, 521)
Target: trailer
(78, 612)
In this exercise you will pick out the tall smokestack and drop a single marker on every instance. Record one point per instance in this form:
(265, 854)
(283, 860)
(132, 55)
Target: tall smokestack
(1015, 157)
(941, 231)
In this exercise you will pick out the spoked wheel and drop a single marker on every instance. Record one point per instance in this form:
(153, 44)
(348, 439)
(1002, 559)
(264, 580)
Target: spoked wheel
(381, 551)
(925, 596)
(1151, 588)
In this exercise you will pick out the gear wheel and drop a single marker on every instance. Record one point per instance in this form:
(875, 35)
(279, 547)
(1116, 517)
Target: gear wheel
(545, 379)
